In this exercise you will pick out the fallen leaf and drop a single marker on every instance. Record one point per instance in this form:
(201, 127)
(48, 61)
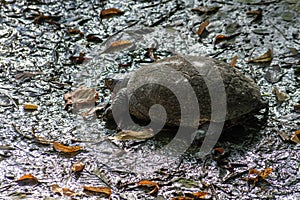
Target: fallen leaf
(221, 38)
(77, 167)
(200, 195)
(295, 138)
(202, 28)
(264, 174)
(30, 106)
(111, 12)
(63, 191)
(206, 9)
(93, 38)
(134, 135)
(257, 13)
(28, 179)
(281, 96)
(118, 46)
(82, 97)
(75, 31)
(266, 57)
(254, 175)
(147, 183)
(183, 198)
(66, 149)
(103, 190)
(233, 61)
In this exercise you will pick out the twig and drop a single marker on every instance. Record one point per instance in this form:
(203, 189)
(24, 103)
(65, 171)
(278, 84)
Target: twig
(10, 98)
(20, 132)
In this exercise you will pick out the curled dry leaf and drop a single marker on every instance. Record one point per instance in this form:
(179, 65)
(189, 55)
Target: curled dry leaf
(75, 31)
(118, 46)
(281, 96)
(30, 106)
(134, 135)
(201, 195)
(202, 28)
(183, 198)
(82, 97)
(77, 167)
(147, 183)
(66, 149)
(103, 190)
(254, 175)
(93, 38)
(266, 57)
(221, 38)
(295, 138)
(111, 12)
(28, 179)
(233, 61)
(297, 107)
(63, 191)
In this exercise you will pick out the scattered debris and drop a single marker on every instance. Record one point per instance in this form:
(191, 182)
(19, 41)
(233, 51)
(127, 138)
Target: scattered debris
(101, 189)
(111, 12)
(281, 96)
(134, 135)
(266, 57)
(206, 9)
(150, 184)
(66, 149)
(77, 167)
(30, 106)
(233, 61)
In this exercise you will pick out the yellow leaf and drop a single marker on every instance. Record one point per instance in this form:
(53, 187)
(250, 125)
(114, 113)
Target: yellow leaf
(66, 149)
(30, 106)
(107, 13)
(183, 198)
(200, 195)
(148, 183)
(104, 190)
(266, 57)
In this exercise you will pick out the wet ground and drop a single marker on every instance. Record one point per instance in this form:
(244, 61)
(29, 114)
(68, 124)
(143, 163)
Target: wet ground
(35, 67)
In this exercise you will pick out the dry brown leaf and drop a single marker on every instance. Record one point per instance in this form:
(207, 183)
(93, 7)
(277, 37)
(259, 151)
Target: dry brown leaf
(82, 97)
(118, 46)
(147, 183)
(111, 12)
(266, 57)
(281, 96)
(30, 106)
(221, 38)
(183, 198)
(103, 190)
(28, 179)
(202, 28)
(134, 135)
(264, 174)
(63, 191)
(75, 31)
(233, 61)
(295, 138)
(77, 167)
(200, 195)
(66, 149)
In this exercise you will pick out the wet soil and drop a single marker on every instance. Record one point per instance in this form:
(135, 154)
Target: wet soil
(35, 67)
